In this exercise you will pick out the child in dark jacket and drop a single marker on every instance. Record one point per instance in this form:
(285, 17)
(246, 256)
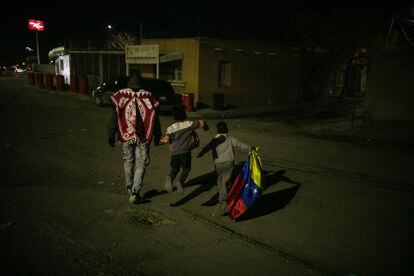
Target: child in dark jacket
(223, 148)
(180, 137)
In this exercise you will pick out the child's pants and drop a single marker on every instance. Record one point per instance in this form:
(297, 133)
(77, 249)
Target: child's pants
(224, 171)
(183, 161)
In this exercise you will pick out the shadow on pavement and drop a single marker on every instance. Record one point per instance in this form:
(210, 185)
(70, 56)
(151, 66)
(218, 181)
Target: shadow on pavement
(152, 193)
(207, 181)
(269, 203)
(266, 204)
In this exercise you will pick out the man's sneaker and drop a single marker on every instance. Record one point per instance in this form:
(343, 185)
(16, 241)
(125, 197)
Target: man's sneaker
(180, 188)
(134, 199)
(168, 184)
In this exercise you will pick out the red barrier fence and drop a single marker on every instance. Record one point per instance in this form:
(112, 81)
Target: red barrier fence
(60, 83)
(40, 81)
(74, 83)
(83, 85)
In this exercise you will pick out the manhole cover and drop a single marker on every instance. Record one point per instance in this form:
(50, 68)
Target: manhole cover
(145, 218)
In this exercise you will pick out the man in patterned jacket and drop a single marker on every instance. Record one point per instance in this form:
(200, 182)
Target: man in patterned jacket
(134, 123)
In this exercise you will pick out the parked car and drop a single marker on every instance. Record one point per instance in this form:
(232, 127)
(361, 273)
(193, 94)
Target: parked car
(3, 70)
(19, 70)
(159, 88)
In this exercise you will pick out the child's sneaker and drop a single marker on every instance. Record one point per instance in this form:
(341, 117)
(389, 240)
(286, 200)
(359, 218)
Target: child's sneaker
(180, 188)
(222, 208)
(168, 184)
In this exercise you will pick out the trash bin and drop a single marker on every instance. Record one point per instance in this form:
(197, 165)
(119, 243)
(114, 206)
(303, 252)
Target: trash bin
(60, 83)
(188, 101)
(218, 101)
(73, 83)
(83, 84)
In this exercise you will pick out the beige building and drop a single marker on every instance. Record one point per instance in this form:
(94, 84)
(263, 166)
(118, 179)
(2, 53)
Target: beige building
(243, 71)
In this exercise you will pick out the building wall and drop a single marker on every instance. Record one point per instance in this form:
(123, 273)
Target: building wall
(261, 73)
(62, 67)
(98, 67)
(189, 47)
(44, 68)
(389, 93)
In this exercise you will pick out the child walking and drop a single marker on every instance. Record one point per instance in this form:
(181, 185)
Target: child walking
(223, 148)
(180, 136)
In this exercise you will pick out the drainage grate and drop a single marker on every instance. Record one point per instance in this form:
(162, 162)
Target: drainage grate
(146, 218)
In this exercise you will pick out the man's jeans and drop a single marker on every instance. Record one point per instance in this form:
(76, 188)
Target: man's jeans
(136, 159)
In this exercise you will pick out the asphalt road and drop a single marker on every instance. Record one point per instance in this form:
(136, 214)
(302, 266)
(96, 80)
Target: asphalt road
(332, 206)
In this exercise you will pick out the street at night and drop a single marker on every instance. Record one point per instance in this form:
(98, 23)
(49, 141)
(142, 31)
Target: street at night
(306, 107)
(334, 204)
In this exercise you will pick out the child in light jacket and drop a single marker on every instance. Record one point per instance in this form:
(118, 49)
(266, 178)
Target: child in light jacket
(222, 147)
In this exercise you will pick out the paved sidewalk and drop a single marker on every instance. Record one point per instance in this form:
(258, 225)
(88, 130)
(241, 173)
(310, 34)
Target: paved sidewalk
(326, 118)
(126, 239)
(335, 204)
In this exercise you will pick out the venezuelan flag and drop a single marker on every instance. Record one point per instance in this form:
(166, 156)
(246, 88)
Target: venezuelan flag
(247, 187)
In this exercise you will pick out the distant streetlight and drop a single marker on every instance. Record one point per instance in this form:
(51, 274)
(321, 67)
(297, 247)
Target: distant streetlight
(109, 27)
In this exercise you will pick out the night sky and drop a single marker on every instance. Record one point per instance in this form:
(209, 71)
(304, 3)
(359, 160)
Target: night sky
(87, 21)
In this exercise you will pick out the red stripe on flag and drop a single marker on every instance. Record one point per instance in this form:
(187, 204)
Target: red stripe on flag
(235, 204)
(238, 209)
(235, 190)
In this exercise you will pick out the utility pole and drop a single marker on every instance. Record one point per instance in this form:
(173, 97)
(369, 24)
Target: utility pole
(389, 37)
(391, 24)
(140, 32)
(199, 25)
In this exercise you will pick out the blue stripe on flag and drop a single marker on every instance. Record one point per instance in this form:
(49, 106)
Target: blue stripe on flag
(251, 192)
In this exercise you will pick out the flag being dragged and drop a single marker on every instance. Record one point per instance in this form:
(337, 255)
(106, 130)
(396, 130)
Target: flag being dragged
(247, 187)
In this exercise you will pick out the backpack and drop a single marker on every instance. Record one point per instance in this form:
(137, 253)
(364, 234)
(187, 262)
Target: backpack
(195, 141)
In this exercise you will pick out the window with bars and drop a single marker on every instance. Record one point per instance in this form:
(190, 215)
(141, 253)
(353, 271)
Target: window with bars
(61, 65)
(171, 71)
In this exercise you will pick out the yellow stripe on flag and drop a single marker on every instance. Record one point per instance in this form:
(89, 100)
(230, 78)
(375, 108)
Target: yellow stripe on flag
(256, 169)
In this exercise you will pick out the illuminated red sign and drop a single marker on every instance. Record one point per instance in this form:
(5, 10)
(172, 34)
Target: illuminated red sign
(36, 25)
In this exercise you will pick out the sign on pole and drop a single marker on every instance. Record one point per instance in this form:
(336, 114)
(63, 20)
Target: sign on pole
(38, 26)
(35, 25)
